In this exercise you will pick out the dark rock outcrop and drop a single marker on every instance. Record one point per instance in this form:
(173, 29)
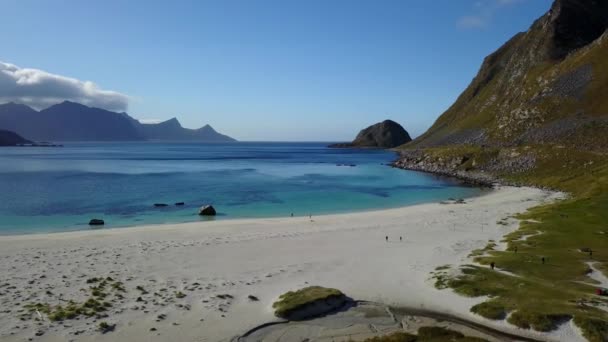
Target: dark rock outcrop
(386, 134)
(207, 210)
(576, 23)
(96, 222)
(8, 138)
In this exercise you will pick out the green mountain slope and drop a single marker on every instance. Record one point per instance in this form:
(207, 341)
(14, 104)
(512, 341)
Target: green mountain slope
(536, 114)
(546, 85)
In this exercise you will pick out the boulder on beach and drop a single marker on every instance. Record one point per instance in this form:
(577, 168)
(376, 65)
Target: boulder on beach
(96, 222)
(207, 210)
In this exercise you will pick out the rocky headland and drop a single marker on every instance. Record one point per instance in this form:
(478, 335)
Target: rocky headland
(385, 134)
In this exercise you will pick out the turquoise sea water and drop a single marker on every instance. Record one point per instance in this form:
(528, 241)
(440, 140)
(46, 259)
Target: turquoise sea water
(60, 189)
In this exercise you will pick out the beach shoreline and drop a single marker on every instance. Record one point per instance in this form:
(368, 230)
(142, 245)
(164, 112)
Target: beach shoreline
(260, 257)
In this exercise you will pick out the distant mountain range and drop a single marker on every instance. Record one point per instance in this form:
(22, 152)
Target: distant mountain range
(69, 121)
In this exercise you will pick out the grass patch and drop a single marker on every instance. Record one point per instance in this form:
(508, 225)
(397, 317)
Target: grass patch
(543, 295)
(294, 300)
(93, 306)
(594, 330)
(105, 327)
(537, 321)
(488, 248)
(72, 310)
(491, 310)
(394, 337)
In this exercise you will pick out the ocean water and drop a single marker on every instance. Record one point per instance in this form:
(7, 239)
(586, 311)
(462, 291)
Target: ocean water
(61, 189)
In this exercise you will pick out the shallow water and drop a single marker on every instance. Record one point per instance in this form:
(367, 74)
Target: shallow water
(60, 189)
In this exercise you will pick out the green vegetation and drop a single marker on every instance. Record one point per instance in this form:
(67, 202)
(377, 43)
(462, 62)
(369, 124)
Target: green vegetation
(180, 294)
(72, 310)
(441, 276)
(294, 300)
(531, 119)
(544, 295)
(490, 310)
(105, 327)
(93, 306)
(595, 330)
(426, 334)
(394, 337)
(488, 248)
(538, 321)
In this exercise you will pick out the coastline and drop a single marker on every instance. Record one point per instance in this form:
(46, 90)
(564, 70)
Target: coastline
(260, 257)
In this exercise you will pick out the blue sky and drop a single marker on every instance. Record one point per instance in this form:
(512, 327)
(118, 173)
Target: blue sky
(315, 70)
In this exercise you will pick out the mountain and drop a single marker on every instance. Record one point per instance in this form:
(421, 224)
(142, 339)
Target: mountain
(8, 138)
(69, 121)
(545, 85)
(172, 130)
(536, 114)
(385, 134)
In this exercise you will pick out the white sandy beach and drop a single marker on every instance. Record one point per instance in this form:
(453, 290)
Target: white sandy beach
(260, 257)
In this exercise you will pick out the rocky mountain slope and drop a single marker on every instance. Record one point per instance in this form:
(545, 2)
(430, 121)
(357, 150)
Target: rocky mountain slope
(536, 114)
(385, 134)
(545, 85)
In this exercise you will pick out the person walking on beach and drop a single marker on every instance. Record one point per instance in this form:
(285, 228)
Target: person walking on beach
(492, 265)
(387, 238)
(401, 238)
(542, 260)
(590, 254)
(515, 249)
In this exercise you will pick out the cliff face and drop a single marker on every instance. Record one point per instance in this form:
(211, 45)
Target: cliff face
(545, 85)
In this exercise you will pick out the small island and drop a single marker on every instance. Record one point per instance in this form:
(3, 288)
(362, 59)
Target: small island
(385, 134)
(9, 138)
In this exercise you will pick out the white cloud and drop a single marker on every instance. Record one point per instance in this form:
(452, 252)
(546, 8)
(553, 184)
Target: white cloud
(40, 89)
(484, 12)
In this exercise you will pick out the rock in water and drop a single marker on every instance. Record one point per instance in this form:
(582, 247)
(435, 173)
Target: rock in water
(180, 203)
(96, 222)
(160, 205)
(386, 134)
(207, 210)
